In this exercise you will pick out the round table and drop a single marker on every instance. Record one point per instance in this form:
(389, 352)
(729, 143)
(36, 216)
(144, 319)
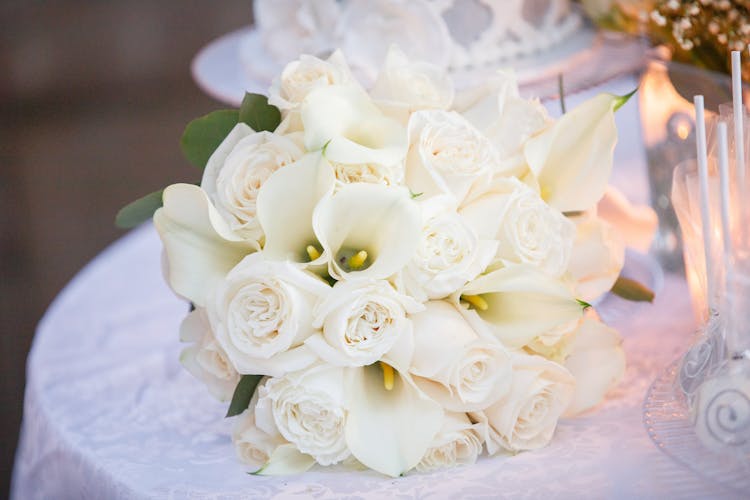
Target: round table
(110, 413)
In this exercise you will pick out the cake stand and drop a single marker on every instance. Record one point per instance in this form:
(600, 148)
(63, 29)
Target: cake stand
(586, 59)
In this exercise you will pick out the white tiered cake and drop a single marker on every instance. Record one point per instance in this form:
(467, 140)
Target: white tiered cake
(460, 35)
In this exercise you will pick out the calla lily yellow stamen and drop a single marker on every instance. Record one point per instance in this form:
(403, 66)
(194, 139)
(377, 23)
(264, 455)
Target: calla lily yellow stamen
(388, 376)
(312, 252)
(357, 260)
(477, 301)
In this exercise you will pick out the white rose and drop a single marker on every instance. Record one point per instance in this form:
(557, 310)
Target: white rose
(238, 168)
(447, 155)
(555, 344)
(302, 76)
(449, 253)
(205, 359)
(528, 230)
(252, 444)
(525, 419)
(371, 173)
(597, 258)
(454, 365)
(457, 443)
(403, 86)
(362, 320)
(307, 408)
(507, 119)
(261, 313)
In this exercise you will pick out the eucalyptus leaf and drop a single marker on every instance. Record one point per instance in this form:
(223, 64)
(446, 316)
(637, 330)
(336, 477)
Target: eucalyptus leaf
(203, 135)
(243, 393)
(632, 290)
(139, 211)
(256, 112)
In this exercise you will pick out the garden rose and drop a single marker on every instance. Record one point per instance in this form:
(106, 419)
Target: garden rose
(526, 417)
(457, 443)
(238, 168)
(307, 408)
(528, 230)
(362, 320)
(454, 365)
(449, 253)
(306, 74)
(204, 358)
(447, 155)
(262, 313)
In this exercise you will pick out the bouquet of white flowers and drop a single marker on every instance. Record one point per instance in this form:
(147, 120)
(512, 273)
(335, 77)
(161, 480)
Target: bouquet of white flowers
(400, 276)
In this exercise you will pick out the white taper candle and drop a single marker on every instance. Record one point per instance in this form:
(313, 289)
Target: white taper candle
(700, 129)
(739, 115)
(721, 133)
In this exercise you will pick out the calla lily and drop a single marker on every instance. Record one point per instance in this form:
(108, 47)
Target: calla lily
(344, 120)
(388, 430)
(367, 229)
(597, 258)
(597, 362)
(518, 303)
(199, 245)
(285, 208)
(572, 159)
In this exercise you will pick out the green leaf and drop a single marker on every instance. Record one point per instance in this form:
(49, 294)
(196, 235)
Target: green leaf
(256, 112)
(243, 393)
(203, 135)
(561, 91)
(585, 305)
(622, 99)
(632, 290)
(139, 210)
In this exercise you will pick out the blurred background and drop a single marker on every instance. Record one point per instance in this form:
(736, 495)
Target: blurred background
(93, 99)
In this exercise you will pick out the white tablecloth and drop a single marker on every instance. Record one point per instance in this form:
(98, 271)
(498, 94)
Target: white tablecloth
(109, 413)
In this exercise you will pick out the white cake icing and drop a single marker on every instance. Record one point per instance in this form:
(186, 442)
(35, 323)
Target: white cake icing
(458, 35)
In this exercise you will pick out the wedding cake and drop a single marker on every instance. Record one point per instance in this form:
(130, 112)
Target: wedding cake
(458, 35)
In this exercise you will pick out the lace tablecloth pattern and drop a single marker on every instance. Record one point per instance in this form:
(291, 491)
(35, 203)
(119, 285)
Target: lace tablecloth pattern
(109, 412)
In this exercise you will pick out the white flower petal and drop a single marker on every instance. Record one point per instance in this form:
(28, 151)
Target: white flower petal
(597, 362)
(199, 245)
(285, 207)
(636, 223)
(403, 86)
(352, 129)
(286, 459)
(453, 365)
(382, 221)
(388, 431)
(572, 159)
(523, 303)
(597, 258)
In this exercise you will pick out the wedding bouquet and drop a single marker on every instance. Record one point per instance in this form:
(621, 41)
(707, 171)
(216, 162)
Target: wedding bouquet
(399, 277)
